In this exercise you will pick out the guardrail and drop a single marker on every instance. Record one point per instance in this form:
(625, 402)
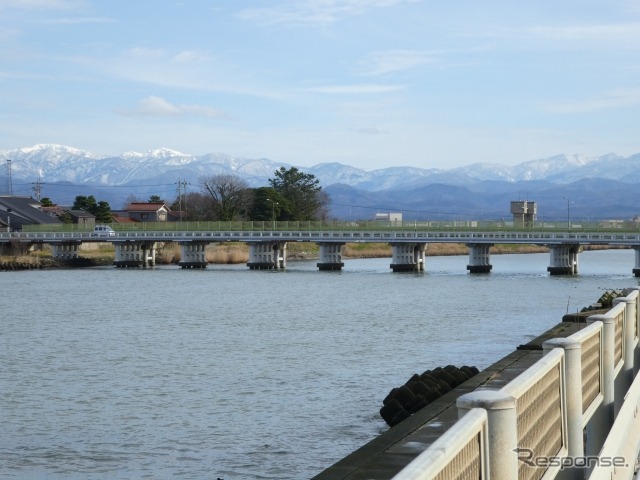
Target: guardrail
(379, 236)
(361, 225)
(534, 425)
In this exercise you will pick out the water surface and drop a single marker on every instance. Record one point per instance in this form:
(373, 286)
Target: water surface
(242, 374)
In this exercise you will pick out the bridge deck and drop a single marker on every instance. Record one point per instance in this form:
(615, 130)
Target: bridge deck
(390, 452)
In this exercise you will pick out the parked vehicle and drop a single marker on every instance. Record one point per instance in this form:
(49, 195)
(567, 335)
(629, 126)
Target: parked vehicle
(103, 231)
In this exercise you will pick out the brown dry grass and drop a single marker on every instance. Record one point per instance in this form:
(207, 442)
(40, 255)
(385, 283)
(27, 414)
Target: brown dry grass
(27, 259)
(366, 250)
(229, 253)
(221, 253)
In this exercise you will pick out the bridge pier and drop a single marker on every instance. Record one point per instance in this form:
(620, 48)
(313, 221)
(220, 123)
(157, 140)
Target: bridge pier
(135, 254)
(564, 259)
(479, 257)
(267, 255)
(65, 251)
(636, 270)
(330, 256)
(192, 254)
(408, 257)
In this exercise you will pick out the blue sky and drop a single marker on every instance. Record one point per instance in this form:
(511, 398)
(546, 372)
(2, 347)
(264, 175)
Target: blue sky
(367, 83)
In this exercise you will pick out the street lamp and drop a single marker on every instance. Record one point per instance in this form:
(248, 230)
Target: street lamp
(273, 212)
(569, 202)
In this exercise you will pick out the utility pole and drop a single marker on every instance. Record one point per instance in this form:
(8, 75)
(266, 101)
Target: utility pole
(37, 188)
(182, 191)
(569, 202)
(9, 181)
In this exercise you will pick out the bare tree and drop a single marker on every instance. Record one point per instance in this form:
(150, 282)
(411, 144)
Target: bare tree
(230, 195)
(198, 206)
(129, 200)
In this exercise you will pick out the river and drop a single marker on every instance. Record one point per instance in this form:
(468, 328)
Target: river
(236, 374)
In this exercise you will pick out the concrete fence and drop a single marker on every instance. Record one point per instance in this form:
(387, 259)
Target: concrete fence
(573, 415)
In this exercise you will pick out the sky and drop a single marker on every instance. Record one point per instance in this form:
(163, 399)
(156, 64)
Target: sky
(366, 83)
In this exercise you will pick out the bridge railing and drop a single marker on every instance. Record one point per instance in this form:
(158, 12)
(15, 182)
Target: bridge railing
(536, 422)
(460, 453)
(553, 226)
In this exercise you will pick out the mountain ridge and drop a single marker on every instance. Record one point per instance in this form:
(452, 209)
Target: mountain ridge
(477, 189)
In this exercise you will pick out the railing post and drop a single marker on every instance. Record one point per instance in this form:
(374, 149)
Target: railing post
(573, 388)
(503, 433)
(629, 330)
(608, 367)
(636, 329)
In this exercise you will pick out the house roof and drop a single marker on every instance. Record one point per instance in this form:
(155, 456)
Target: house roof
(146, 207)
(23, 211)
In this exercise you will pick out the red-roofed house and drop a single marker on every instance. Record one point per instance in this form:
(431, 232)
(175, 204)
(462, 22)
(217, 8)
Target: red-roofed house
(148, 212)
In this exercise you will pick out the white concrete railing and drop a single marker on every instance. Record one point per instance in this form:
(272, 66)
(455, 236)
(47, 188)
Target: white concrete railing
(460, 453)
(620, 451)
(536, 422)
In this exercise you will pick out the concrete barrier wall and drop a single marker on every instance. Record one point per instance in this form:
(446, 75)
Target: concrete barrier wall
(535, 424)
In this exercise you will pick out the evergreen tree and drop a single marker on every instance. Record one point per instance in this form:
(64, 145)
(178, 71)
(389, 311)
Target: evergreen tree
(302, 194)
(267, 205)
(101, 210)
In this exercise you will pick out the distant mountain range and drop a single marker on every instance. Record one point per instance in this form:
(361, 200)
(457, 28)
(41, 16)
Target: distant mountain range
(586, 188)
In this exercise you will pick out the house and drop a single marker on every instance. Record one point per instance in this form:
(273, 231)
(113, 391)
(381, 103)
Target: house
(79, 217)
(391, 217)
(149, 212)
(18, 211)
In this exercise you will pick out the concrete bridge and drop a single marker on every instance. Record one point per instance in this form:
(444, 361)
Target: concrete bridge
(136, 245)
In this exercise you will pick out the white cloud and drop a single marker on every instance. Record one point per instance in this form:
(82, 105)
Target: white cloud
(42, 4)
(190, 56)
(153, 106)
(609, 32)
(75, 20)
(619, 98)
(380, 63)
(315, 11)
(370, 131)
(356, 89)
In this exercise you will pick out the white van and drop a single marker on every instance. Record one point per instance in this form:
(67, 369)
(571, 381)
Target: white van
(103, 231)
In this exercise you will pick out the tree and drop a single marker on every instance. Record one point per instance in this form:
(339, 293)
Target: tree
(304, 199)
(155, 199)
(129, 200)
(85, 203)
(101, 210)
(46, 202)
(65, 218)
(230, 195)
(194, 206)
(267, 204)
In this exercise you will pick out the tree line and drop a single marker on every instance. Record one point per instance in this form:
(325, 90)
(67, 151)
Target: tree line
(291, 195)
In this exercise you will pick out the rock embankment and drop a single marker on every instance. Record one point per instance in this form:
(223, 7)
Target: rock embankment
(420, 390)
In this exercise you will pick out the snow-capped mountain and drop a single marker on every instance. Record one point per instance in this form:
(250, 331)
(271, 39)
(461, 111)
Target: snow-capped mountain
(607, 186)
(57, 163)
